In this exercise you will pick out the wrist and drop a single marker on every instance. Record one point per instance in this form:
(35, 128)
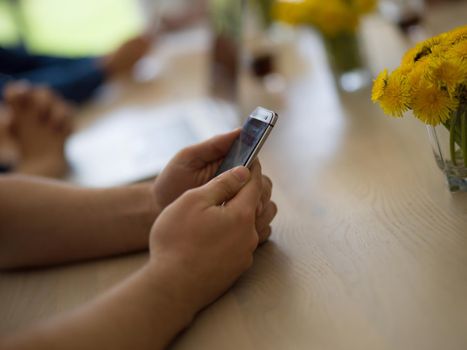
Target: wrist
(173, 291)
(140, 210)
(151, 208)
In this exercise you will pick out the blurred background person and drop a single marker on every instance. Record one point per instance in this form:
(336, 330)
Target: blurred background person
(75, 79)
(36, 118)
(34, 125)
(77, 75)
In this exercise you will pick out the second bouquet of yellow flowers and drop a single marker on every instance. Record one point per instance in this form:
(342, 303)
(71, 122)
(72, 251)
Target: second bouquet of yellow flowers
(330, 17)
(337, 21)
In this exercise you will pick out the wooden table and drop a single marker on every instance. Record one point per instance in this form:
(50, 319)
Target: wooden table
(369, 249)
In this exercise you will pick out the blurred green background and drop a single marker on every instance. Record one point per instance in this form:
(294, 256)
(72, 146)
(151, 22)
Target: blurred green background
(69, 27)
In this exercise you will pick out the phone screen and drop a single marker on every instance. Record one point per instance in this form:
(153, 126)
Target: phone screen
(244, 145)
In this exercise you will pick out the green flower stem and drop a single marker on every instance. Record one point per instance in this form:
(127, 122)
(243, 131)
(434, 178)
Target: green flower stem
(457, 127)
(343, 51)
(456, 131)
(452, 137)
(265, 8)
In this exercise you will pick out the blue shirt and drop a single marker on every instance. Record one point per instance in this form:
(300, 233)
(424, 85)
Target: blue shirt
(75, 79)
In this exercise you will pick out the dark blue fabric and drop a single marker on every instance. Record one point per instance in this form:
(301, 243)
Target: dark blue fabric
(5, 168)
(76, 79)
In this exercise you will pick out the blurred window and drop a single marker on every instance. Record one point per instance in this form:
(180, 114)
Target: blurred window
(69, 27)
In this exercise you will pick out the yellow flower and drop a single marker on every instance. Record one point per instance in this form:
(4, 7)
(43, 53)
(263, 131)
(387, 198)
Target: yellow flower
(330, 17)
(457, 35)
(416, 75)
(458, 51)
(442, 46)
(447, 73)
(379, 85)
(364, 6)
(432, 105)
(292, 12)
(334, 16)
(437, 40)
(421, 50)
(431, 80)
(409, 57)
(396, 95)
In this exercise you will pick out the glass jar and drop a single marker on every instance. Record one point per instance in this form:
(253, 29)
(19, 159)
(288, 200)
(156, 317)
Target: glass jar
(347, 62)
(449, 142)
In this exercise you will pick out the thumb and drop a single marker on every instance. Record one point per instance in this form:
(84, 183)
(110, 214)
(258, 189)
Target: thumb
(225, 186)
(208, 151)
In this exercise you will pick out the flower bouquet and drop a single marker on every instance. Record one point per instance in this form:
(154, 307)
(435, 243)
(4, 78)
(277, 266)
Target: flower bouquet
(432, 82)
(338, 22)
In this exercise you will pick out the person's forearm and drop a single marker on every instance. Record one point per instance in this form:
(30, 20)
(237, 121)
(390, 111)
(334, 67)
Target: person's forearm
(46, 222)
(144, 312)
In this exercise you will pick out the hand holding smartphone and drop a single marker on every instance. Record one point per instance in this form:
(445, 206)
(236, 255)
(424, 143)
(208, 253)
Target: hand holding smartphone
(254, 134)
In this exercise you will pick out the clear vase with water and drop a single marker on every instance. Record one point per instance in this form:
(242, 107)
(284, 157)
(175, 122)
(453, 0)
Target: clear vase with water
(449, 143)
(347, 61)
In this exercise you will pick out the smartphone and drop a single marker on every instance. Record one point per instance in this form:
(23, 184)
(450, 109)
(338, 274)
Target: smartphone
(254, 133)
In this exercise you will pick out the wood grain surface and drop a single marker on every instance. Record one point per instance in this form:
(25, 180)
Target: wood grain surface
(369, 249)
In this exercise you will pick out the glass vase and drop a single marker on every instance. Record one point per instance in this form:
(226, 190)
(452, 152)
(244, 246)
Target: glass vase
(347, 62)
(449, 142)
(260, 51)
(226, 21)
(262, 42)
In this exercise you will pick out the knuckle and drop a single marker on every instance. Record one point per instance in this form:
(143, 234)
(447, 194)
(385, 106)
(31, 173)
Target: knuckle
(274, 209)
(264, 235)
(259, 224)
(268, 181)
(258, 165)
(184, 153)
(191, 196)
(225, 185)
(271, 210)
(256, 192)
(254, 241)
(256, 170)
(267, 191)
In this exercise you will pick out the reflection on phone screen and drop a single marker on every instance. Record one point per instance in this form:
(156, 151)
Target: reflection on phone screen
(244, 145)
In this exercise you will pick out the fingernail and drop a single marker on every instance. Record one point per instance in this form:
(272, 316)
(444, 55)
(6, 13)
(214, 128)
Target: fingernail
(241, 173)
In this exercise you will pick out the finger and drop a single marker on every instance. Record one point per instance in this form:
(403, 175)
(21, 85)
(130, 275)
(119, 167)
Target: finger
(44, 101)
(57, 117)
(17, 94)
(265, 195)
(267, 187)
(208, 151)
(225, 186)
(68, 124)
(265, 220)
(60, 117)
(248, 198)
(264, 235)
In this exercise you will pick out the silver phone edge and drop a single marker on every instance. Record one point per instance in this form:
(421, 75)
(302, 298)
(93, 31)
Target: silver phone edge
(259, 145)
(272, 118)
